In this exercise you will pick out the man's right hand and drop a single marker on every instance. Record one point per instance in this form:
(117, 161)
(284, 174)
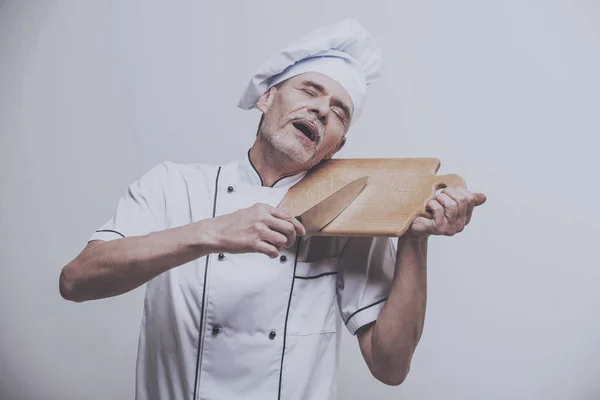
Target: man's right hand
(257, 229)
(118, 266)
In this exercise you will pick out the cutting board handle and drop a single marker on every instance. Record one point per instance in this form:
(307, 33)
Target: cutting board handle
(439, 182)
(445, 181)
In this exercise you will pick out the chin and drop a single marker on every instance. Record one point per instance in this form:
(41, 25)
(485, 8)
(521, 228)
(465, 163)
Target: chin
(291, 149)
(294, 153)
(298, 156)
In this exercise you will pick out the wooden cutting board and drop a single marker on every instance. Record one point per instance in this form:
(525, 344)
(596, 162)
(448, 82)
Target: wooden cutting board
(397, 192)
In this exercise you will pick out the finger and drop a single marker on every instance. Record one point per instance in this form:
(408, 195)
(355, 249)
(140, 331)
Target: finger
(461, 198)
(450, 207)
(470, 207)
(267, 249)
(278, 213)
(437, 210)
(476, 199)
(275, 238)
(284, 227)
(480, 198)
(300, 229)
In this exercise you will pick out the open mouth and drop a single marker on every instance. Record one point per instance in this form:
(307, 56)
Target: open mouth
(307, 130)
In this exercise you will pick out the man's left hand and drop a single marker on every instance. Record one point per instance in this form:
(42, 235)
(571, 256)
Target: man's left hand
(451, 209)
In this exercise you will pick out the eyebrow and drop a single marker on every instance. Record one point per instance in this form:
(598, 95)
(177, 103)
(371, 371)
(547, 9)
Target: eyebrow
(335, 101)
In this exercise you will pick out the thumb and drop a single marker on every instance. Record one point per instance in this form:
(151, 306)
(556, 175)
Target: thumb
(479, 199)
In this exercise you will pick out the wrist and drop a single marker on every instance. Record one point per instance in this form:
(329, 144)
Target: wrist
(410, 238)
(412, 252)
(411, 244)
(204, 236)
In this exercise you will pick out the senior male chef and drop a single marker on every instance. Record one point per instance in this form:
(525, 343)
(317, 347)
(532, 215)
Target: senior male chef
(237, 306)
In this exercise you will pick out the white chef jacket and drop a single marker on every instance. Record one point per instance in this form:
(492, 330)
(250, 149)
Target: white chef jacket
(245, 326)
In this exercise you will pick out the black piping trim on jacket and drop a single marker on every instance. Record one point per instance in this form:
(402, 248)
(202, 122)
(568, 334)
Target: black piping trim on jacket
(255, 170)
(287, 314)
(277, 181)
(109, 230)
(260, 177)
(362, 309)
(196, 378)
(316, 276)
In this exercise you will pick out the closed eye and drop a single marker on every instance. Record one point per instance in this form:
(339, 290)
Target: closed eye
(339, 116)
(310, 92)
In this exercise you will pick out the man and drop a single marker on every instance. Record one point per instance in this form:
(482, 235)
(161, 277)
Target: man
(236, 307)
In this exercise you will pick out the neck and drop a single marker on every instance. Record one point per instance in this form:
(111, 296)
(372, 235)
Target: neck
(270, 168)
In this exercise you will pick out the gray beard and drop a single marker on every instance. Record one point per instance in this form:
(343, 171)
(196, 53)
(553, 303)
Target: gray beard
(289, 147)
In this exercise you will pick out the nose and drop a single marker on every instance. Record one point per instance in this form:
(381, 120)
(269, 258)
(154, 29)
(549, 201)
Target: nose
(320, 107)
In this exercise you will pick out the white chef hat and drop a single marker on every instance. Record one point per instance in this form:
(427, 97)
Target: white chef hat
(344, 51)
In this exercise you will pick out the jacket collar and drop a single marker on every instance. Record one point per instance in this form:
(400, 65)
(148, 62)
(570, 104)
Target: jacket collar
(249, 175)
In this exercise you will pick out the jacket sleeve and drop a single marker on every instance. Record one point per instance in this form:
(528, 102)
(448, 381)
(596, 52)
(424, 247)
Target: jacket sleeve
(141, 210)
(364, 279)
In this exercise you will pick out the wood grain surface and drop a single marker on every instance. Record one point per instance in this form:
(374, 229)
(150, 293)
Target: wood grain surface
(397, 192)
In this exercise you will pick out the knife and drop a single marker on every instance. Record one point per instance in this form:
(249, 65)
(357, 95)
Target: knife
(320, 215)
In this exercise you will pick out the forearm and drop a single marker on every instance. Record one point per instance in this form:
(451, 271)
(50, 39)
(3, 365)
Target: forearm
(112, 268)
(399, 326)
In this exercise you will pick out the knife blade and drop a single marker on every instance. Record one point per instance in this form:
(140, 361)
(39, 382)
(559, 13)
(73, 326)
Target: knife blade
(320, 215)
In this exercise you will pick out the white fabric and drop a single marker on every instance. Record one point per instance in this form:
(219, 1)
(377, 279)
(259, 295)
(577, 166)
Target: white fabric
(344, 51)
(344, 70)
(248, 295)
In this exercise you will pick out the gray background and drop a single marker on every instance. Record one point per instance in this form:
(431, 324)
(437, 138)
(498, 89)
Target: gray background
(505, 93)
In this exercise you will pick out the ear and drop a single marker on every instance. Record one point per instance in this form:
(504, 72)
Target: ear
(266, 100)
(337, 148)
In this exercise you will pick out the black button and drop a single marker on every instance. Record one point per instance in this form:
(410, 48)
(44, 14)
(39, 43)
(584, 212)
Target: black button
(216, 329)
(272, 335)
(230, 189)
(283, 258)
(221, 256)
